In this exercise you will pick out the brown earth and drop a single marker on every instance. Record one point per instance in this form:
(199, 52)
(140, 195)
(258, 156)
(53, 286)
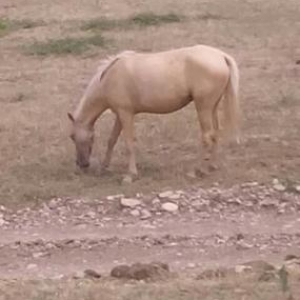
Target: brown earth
(217, 221)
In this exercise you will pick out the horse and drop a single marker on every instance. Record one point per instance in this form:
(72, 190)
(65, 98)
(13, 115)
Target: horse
(132, 82)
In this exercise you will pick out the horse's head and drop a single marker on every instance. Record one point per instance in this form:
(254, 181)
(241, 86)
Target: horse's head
(83, 138)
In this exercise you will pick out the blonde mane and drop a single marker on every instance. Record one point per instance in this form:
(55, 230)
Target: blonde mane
(105, 64)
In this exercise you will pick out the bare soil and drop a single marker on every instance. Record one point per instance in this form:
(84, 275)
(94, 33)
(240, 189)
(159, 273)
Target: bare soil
(56, 221)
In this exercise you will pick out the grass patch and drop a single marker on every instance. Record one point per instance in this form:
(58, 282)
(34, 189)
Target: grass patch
(180, 289)
(4, 26)
(104, 24)
(7, 25)
(151, 19)
(141, 20)
(65, 46)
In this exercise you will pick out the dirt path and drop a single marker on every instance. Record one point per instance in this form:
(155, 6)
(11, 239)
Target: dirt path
(208, 228)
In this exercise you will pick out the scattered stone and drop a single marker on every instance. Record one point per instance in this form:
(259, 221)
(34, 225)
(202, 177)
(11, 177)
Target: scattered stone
(242, 245)
(291, 257)
(170, 207)
(130, 202)
(121, 271)
(139, 271)
(155, 201)
(145, 214)
(38, 254)
(260, 265)
(297, 188)
(278, 186)
(135, 213)
(114, 197)
(2, 222)
(31, 266)
(170, 195)
(89, 273)
(242, 269)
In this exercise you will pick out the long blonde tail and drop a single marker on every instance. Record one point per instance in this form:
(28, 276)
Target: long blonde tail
(231, 100)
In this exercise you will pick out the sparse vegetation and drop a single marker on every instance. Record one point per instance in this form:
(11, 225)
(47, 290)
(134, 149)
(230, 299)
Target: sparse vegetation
(151, 19)
(181, 289)
(7, 25)
(65, 46)
(141, 20)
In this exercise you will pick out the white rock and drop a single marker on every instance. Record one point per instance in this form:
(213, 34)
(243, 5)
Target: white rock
(135, 213)
(242, 268)
(191, 265)
(130, 202)
(170, 195)
(145, 214)
(113, 197)
(38, 254)
(155, 201)
(31, 266)
(170, 207)
(297, 188)
(2, 222)
(279, 187)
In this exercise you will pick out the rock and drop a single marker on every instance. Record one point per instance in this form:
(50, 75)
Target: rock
(139, 271)
(38, 254)
(291, 257)
(297, 188)
(122, 271)
(170, 207)
(170, 195)
(130, 202)
(278, 186)
(145, 214)
(263, 270)
(242, 269)
(114, 197)
(89, 273)
(135, 213)
(2, 222)
(155, 201)
(31, 266)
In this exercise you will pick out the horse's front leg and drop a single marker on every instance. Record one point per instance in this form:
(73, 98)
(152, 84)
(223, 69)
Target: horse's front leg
(127, 121)
(115, 133)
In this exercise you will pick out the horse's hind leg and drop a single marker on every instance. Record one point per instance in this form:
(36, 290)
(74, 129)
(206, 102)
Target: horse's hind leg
(208, 123)
(127, 121)
(115, 133)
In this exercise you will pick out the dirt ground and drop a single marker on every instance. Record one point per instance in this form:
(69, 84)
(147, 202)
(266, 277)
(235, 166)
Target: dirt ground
(38, 178)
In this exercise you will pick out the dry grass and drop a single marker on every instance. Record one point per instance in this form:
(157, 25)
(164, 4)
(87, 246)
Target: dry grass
(142, 20)
(37, 157)
(179, 289)
(65, 46)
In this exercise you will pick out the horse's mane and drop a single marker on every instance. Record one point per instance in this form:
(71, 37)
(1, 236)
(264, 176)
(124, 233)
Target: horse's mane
(104, 66)
(107, 63)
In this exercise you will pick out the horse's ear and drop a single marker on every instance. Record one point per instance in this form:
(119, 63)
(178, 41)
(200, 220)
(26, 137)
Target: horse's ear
(71, 117)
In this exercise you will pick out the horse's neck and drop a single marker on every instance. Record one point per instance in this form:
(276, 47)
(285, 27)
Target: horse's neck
(91, 105)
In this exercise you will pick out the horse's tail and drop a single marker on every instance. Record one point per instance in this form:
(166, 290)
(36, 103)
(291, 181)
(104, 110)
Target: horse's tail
(231, 100)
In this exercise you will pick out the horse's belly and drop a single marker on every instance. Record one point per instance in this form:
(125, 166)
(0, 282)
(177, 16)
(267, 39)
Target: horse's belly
(162, 105)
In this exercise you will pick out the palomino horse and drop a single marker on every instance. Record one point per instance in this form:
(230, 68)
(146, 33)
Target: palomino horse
(131, 83)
